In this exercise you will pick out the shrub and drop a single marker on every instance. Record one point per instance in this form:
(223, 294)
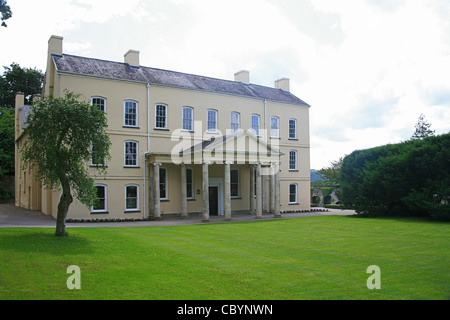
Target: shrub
(409, 178)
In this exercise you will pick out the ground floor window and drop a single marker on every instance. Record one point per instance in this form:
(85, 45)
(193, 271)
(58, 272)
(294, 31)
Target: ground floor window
(189, 183)
(293, 193)
(100, 204)
(234, 182)
(131, 198)
(163, 194)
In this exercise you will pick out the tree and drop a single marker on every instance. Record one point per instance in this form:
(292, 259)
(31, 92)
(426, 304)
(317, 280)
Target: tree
(5, 10)
(16, 79)
(333, 172)
(62, 132)
(6, 141)
(422, 129)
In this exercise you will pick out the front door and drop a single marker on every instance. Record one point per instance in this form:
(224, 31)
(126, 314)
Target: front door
(213, 201)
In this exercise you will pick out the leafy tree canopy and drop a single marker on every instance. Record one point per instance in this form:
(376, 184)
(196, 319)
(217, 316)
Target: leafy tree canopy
(5, 11)
(16, 79)
(61, 134)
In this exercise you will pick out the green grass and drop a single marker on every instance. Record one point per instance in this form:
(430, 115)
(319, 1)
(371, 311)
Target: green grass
(322, 257)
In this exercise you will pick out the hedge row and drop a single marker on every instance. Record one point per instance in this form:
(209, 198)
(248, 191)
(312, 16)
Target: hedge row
(411, 178)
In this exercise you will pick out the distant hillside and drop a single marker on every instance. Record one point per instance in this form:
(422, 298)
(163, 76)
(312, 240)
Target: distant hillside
(315, 175)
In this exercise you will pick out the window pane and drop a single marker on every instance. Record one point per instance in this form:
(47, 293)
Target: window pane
(212, 120)
(100, 203)
(234, 126)
(162, 183)
(274, 129)
(292, 129)
(130, 153)
(234, 183)
(130, 113)
(100, 102)
(255, 124)
(187, 119)
(293, 193)
(189, 184)
(161, 116)
(292, 160)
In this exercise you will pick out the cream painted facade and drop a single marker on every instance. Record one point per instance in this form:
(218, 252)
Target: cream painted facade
(145, 170)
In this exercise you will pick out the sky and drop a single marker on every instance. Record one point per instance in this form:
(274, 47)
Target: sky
(367, 68)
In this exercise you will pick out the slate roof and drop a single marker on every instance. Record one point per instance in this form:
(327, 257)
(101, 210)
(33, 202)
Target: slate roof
(123, 71)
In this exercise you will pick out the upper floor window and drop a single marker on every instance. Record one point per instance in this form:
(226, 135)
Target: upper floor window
(292, 129)
(274, 127)
(96, 160)
(292, 160)
(131, 197)
(100, 102)
(160, 116)
(211, 120)
(255, 124)
(131, 153)
(101, 204)
(234, 121)
(130, 114)
(188, 118)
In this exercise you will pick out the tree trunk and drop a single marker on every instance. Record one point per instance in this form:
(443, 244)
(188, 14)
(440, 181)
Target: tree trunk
(64, 202)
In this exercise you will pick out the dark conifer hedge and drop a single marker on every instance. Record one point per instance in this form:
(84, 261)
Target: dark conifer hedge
(411, 178)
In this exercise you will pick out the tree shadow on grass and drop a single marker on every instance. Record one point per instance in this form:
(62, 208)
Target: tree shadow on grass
(42, 240)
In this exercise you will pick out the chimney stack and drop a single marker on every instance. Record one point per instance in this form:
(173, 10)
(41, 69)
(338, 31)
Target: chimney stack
(132, 58)
(282, 84)
(242, 76)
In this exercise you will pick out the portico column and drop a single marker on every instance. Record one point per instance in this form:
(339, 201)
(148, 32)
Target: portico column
(258, 192)
(205, 194)
(183, 191)
(157, 201)
(272, 188)
(227, 192)
(277, 192)
(252, 189)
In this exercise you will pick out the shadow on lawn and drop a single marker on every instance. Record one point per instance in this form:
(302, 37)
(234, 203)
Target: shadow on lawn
(39, 240)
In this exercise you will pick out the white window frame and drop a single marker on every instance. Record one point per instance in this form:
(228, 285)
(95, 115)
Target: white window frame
(214, 130)
(137, 198)
(296, 193)
(295, 153)
(166, 116)
(125, 154)
(191, 124)
(101, 98)
(294, 137)
(258, 117)
(105, 210)
(136, 125)
(166, 182)
(275, 132)
(234, 127)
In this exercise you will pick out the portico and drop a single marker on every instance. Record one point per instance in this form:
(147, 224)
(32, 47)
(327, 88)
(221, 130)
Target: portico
(242, 153)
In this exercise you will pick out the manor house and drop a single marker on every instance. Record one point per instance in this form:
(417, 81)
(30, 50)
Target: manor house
(182, 144)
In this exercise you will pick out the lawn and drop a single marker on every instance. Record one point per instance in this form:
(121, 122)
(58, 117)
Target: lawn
(322, 257)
